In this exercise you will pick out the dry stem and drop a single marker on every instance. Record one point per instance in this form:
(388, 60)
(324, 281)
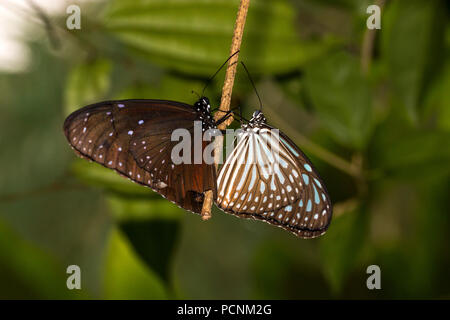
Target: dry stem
(226, 95)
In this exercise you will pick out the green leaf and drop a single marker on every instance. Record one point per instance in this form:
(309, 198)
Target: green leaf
(154, 240)
(34, 150)
(340, 246)
(152, 227)
(286, 270)
(341, 97)
(169, 87)
(412, 44)
(27, 271)
(126, 275)
(195, 36)
(87, 83)
(271, 263)
(138, 208)
(412, 153)
(97, 175)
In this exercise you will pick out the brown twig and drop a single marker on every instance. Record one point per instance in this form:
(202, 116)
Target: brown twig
(226, 95)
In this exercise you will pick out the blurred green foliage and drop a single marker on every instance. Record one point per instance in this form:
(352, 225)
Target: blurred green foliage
(389, 128)
(191, 36)
(346, 108)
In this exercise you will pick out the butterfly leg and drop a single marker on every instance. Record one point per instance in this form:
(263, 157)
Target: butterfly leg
(227, 115)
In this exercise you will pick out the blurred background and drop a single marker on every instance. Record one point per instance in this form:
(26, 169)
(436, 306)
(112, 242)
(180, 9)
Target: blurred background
(370, 108)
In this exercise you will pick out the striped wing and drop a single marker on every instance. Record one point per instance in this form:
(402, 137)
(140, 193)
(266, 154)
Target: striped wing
(133, 137)
(267, 177)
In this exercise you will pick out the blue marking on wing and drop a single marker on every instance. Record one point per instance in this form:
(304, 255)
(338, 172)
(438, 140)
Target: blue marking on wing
(318, 183)
(305, 178)
(316, 195)
(289, 147)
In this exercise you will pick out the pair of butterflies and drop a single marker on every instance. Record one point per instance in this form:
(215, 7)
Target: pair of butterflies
(133, 137)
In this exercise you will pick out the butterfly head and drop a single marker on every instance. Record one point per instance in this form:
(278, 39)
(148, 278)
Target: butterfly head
(202, 105)
(203, 108)
(257, 118)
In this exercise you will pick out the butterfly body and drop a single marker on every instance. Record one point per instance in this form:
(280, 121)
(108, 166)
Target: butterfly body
(267, 177)
(133, 137)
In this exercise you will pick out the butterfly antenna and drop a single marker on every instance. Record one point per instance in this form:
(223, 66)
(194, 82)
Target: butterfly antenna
(196, 93)
(218, 70)
(253, 84)
(241, 118)
(240, 114)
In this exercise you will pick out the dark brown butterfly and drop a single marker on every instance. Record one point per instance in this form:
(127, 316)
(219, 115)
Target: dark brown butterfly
(267, 177)
(133, 137)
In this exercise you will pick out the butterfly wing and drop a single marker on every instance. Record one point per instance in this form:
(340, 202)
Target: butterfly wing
(284, 190)
(133, 137)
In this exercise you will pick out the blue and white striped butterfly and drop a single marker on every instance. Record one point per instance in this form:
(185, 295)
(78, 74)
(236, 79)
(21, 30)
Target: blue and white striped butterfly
(267, 177)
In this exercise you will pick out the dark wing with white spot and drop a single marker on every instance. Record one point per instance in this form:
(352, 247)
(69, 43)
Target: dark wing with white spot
(133, 137)
(267, 177)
